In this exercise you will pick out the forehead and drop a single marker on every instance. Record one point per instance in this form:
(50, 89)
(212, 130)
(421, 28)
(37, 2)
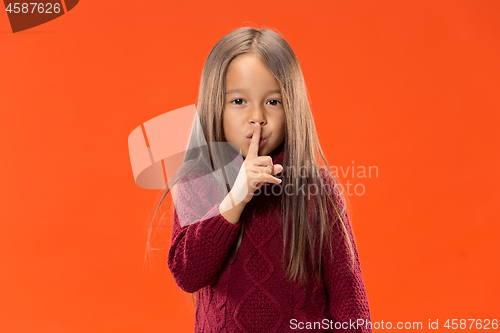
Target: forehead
(247, 72)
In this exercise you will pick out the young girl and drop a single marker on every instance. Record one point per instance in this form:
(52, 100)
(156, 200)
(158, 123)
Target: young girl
(260, 232)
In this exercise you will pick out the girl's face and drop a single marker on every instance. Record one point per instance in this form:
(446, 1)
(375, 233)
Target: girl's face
(252, 95)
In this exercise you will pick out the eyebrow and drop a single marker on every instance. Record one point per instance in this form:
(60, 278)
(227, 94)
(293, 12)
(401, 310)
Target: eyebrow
(231, 91)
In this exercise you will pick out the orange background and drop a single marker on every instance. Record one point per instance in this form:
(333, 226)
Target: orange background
(409, 87)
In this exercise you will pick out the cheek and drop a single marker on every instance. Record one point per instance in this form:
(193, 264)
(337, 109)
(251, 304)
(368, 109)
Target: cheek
(226, 119)
(228, 128)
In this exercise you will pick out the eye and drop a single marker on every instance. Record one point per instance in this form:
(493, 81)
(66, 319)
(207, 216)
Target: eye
(276, 101)
(235, 100)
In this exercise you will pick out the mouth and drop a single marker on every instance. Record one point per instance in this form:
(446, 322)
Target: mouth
(261, 142)
(249, 136)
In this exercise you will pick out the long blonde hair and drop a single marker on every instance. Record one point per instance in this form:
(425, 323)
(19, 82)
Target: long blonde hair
(306, 235)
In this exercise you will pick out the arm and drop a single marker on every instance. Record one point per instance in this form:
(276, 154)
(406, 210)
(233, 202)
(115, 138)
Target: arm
(199, 245)
(348, 301)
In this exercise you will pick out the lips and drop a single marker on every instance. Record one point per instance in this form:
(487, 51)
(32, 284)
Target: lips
(261, 142)
(249, 136)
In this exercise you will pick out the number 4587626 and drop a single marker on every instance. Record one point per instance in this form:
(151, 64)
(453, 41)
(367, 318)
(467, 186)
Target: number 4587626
(41, 8)
(474, 323)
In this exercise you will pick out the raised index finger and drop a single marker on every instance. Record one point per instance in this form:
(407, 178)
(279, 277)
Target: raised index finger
(253, 150)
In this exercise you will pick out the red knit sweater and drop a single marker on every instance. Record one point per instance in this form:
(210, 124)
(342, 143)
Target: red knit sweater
(252, 294)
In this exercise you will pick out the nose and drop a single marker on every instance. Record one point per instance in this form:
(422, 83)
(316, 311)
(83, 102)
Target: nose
(257, 116)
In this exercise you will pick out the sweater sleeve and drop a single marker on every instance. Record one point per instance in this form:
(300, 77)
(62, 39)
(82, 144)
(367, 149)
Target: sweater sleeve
(348, 302)
(201, 236)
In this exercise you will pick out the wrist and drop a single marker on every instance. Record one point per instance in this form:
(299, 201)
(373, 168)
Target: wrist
(232, 202)
(229, 210)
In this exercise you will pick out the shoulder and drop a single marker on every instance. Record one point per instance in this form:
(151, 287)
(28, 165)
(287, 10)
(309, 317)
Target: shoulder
(194, 193)
(329, 180)
(192, 178)
(326, 175)
(193, 171)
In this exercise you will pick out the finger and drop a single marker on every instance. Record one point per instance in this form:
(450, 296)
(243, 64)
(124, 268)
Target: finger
(263, 161)
(253, 150)
(269, 170)
(272, 169)
(277, 168)
(266, 176)
(272, 180)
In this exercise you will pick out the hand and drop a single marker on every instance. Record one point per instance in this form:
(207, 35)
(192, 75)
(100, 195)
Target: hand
(254, 172)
